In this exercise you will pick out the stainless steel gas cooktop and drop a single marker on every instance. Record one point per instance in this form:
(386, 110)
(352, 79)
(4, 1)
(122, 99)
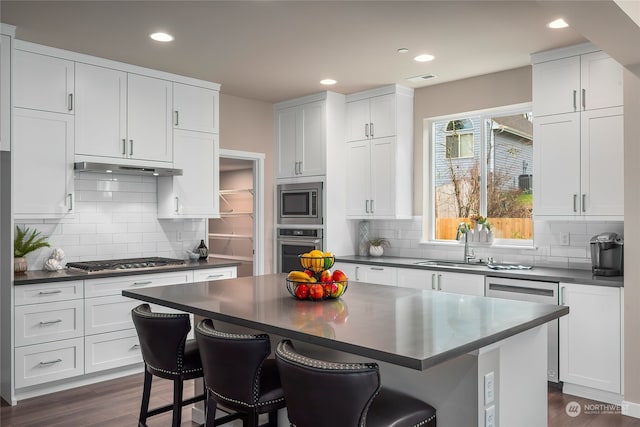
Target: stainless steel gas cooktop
(124, 264)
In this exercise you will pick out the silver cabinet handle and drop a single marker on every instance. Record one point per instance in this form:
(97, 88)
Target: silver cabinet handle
(562, 295)
(433, 281)
(51, 362)
(366, 130)
(575, 203)
(439, 282)
(57, 291)
(300, 168)
(50, 322)
(70, 102)
(70, 196)
(584, 202)
(371, 205)
(124, 147)
(357, 271)
(215, 276)
(146, 282)
(177, 204)
(377, 268)
(575, 105)
(366, 206)
(371, 129)
(177, 122)
(131, 147)
(135, 347)
(584, 99)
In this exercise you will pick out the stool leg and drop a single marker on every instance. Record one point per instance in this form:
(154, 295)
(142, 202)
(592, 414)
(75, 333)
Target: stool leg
(211, 410)
(177, 403)
(146, 394)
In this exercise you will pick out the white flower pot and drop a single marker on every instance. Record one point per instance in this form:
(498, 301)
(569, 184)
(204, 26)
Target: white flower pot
(376, 250)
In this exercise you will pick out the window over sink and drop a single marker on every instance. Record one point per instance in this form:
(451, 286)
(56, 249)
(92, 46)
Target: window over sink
(480, 164)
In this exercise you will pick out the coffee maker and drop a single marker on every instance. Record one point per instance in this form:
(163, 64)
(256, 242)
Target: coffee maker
(607, 254)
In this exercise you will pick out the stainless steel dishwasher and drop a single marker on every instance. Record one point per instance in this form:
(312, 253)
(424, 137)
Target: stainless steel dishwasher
(533, 291)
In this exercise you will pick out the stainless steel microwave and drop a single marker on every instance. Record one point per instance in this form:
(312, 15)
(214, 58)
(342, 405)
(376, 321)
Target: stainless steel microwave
(300, 203)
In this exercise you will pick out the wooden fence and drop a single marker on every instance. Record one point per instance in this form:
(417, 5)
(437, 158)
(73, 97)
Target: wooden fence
(503, 228)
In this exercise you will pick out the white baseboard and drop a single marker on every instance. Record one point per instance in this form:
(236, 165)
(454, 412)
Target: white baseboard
(592, 393)
(631, 409)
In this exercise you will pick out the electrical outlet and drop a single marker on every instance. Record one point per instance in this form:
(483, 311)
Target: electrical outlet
(564, 238)
(489, 388)
(490, 416)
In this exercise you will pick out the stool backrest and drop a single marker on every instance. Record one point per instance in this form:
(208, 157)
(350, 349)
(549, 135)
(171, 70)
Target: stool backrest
(232, 362)
(320, 394)
(162, 338)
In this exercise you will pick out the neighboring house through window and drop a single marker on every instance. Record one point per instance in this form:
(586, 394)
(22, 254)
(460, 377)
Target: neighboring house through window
(480, 165)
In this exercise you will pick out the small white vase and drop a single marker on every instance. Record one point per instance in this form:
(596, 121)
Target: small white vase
(376, 250)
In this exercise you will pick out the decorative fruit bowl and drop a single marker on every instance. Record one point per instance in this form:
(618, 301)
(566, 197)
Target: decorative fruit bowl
(317, 261)
(317, 291)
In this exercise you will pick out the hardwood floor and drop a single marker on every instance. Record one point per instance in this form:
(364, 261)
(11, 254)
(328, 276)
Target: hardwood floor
(116, 403)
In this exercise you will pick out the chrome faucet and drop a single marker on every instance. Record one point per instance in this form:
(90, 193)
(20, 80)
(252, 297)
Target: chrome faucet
(463, 228)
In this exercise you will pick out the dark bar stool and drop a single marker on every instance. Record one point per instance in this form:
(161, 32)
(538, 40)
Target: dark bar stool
(167, 354)
(238, 375)
(322, 394)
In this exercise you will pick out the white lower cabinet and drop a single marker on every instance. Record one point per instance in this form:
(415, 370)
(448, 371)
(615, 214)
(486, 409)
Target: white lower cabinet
(376, 274)
(111, 350)
(590, 337)
(457, 283)
(41, 363)
(39, 323)
(214, 274)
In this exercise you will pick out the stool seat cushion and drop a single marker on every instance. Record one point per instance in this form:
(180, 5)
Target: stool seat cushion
(391, 408)
(271, 395)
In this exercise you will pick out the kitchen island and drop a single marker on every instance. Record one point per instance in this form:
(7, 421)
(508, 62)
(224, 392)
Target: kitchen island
(435, 345)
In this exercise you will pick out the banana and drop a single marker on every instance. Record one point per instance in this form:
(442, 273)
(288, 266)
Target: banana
(298, 276)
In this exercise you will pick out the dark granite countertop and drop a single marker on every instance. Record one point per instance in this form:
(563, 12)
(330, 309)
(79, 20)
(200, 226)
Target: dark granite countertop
(536, 273)
(407, 327)
(41, 276)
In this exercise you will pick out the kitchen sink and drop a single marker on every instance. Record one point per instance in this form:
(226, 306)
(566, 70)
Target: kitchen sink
(448, 263)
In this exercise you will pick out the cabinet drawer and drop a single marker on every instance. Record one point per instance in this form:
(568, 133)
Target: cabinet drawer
(112, 350)
(39, 323)
(48, 292)
(214, 274)
(108, 314)
(115, 285)
(41, 363)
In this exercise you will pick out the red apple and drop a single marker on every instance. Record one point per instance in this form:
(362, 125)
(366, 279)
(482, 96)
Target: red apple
(302, 291)
(316, 291)
(339, 276)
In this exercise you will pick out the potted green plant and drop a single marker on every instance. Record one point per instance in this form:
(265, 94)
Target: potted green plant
(377, 245)
(26, 241)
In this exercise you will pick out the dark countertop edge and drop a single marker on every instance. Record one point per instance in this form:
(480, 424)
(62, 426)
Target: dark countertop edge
(404, 361)
(548, 274)
(64, 275)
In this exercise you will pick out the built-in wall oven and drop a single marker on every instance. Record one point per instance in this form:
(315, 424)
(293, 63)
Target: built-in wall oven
(533, 291)
(292, 242)
(300, 204)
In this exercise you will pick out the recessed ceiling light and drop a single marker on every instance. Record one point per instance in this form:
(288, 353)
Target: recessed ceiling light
(161, 37)
(403, 50)
(424, 58)
(328, 82)
(558, 23)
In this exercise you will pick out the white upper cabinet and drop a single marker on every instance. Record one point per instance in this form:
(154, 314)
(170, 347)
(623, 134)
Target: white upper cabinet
(373, 117)
(583, 82)
(43, 82)
(379, 151)
(300, 140)
(578, 128)
(122, 115)
(5, 92)
(195, 193)
(42, 164)
(195, 108)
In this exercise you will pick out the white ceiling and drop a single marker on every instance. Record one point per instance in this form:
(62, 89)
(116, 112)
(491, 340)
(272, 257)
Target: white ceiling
(273, 50)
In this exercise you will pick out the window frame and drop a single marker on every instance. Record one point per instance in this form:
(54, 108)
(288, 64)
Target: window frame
(428, 170)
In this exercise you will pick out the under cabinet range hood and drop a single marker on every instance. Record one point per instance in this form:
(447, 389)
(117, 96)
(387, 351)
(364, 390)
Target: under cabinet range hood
(125, 169)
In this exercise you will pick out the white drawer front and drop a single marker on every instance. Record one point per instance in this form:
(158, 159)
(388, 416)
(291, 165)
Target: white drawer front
(39, 323)
(214, 274)
(114, 286)
(48, 292)
(108, 314)
(41, 363)
(112, 350)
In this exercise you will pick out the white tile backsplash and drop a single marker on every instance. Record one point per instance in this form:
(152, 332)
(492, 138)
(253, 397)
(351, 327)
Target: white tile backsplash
(115, 217)
(405, 237)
